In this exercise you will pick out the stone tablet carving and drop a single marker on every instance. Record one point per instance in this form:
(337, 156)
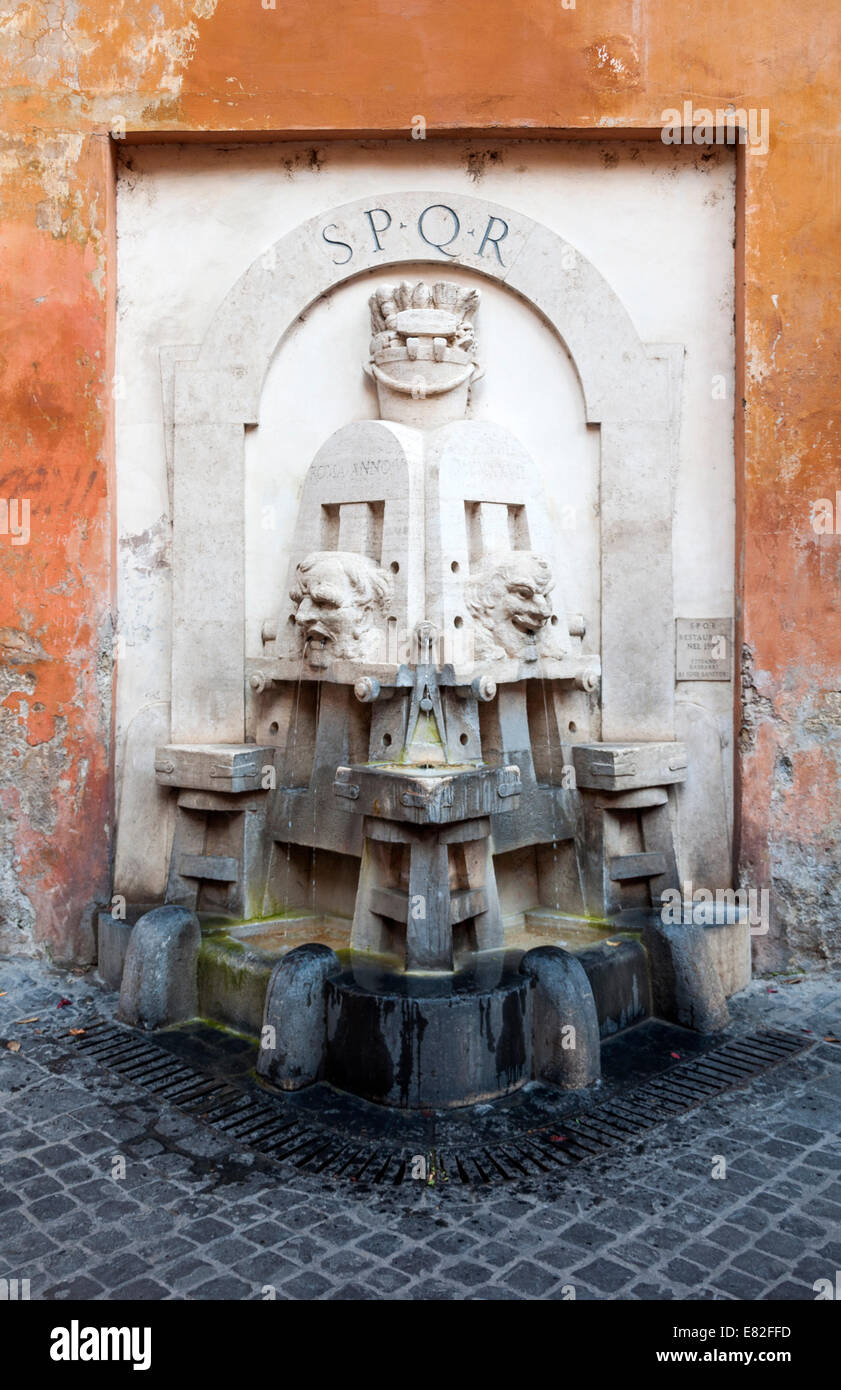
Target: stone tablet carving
(341, 599)
(507, 597)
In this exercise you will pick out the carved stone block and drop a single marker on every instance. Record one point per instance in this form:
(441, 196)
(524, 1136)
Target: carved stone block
(219, 767)
(620, 767)
(428, 797)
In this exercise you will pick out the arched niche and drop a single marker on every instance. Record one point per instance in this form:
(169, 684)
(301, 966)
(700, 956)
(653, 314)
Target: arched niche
(628, 390)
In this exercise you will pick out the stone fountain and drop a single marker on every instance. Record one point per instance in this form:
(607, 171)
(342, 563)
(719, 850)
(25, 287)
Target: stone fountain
(421, 591)
(422, 722)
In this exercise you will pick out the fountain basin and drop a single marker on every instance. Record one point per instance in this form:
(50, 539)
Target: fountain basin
(416, 1040)
(429, 1040)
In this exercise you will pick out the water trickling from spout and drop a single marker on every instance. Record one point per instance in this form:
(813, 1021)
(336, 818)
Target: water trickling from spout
(552, 795)
(314, 810)
(289, 780)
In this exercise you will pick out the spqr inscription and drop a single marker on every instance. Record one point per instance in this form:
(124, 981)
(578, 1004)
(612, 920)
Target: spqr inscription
(438, 226)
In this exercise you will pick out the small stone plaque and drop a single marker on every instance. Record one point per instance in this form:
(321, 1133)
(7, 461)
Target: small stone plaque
(703, 649)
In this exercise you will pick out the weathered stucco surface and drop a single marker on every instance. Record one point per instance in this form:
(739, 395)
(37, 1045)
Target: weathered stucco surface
(74, 74)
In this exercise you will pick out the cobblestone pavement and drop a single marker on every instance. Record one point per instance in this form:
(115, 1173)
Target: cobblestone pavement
(196, 1217)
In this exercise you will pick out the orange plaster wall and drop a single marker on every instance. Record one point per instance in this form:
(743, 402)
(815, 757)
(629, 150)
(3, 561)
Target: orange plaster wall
(342, 66)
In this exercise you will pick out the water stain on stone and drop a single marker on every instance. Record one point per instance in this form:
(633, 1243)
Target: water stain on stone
(511, 1047)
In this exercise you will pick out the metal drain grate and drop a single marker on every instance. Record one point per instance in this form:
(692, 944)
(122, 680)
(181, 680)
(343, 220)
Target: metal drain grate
(273, 1127)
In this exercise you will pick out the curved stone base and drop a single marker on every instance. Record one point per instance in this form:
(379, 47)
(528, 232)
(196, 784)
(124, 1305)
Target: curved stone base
(159, 976)
(428, 1041)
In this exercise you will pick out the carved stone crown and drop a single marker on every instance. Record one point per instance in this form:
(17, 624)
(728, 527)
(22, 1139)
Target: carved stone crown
(423, 351)
(423, 322)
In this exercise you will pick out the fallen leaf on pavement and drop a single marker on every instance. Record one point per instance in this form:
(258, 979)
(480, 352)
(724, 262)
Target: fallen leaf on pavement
(61, 1003)
(12, 1046)
(830, 1038)
(77, 1032)
(36, 1019)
